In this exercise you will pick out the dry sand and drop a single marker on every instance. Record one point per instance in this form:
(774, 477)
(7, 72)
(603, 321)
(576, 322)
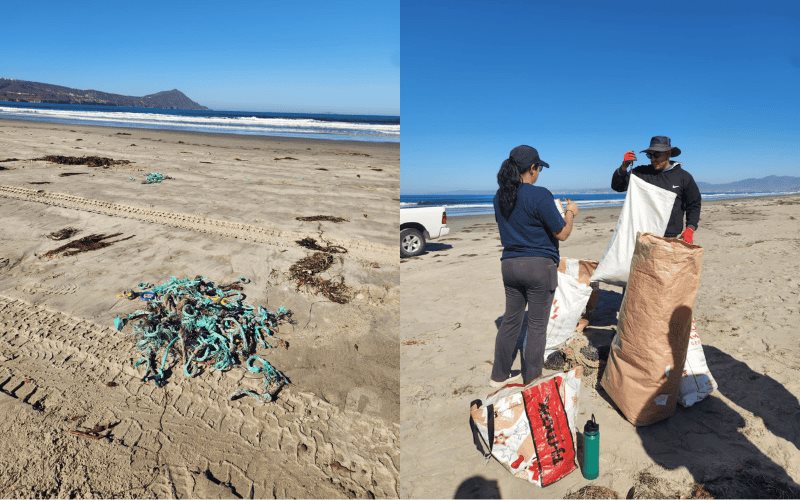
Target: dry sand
(743, 441)
(229, 210)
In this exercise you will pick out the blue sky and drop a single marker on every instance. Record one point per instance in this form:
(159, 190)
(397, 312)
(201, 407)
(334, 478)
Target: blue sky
(584, 81)
(307, 56)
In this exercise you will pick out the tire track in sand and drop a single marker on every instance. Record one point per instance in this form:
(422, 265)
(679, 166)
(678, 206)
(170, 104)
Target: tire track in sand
(360, 249)
(201, 443)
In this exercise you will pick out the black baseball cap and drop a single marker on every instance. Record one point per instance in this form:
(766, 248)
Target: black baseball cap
(525, 156)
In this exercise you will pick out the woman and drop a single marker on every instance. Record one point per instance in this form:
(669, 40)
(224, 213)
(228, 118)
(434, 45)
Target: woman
(530, 228)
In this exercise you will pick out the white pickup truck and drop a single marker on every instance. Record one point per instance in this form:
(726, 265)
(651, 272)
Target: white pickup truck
(419, 225)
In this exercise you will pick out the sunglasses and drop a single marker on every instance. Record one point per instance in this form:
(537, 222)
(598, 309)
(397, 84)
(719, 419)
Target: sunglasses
(657, 154)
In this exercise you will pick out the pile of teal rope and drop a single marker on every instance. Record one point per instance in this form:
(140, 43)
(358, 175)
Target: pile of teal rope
(154, 178)
(204, 325)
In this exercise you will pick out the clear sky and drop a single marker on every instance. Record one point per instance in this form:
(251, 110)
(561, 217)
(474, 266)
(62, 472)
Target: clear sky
(274, 55)
(584, 81)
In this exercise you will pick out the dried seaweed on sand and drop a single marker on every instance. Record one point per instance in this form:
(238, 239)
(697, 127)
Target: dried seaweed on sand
(91, 161)
(325, 218)
(305, 273)
(63, 234)
(85, 244)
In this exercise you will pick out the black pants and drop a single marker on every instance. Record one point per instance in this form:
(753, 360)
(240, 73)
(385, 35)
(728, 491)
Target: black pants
(531, 281)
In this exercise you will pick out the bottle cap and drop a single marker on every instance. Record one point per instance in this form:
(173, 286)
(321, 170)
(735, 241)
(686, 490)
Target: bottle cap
(591, 425)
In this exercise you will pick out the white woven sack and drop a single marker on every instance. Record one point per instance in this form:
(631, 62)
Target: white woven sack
(697, 382)
(646, 210)
(569, 302)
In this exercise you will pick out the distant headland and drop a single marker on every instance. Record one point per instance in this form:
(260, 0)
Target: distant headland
(24, 91)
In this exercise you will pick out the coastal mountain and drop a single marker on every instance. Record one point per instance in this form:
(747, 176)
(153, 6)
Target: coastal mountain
(769, 184)
(25, 91)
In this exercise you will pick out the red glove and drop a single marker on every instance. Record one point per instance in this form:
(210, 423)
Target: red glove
(628, 160)
(688, 235)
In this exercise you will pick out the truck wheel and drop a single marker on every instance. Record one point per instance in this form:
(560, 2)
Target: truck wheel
(412, 243)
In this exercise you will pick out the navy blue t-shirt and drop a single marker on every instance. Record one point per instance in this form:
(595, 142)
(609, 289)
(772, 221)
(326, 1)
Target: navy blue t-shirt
(528, 232)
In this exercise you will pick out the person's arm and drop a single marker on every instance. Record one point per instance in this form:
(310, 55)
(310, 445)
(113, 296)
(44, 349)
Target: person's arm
(562, 235)
(691, 202)
(621, 176)
(569, 216)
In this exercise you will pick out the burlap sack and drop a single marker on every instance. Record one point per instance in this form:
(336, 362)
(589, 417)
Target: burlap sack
(653, 330)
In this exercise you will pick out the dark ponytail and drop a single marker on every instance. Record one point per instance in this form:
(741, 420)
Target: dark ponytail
(508, 180)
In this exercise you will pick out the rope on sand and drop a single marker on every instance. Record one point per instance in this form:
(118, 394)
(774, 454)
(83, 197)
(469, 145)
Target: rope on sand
(205, 325)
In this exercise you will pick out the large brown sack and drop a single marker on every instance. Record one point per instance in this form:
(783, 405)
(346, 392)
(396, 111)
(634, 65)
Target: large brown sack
(655, 321)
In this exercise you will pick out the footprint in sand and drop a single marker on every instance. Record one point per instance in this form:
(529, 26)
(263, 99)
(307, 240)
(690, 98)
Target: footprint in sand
(363, 400)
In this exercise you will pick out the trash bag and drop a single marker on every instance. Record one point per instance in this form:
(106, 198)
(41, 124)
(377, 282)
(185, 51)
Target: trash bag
(530, 429)
(647, 209)
(645, 365)
(569, 302)
(697, 382)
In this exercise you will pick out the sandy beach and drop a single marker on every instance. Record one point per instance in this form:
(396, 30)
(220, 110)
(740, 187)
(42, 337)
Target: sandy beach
(228, 210)
(743, 441)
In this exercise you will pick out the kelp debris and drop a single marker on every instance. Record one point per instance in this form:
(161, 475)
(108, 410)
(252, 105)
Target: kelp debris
(305, 273)
(312, 244)
(324, 218)
(85, 244)
(90, 161)
(63, 234)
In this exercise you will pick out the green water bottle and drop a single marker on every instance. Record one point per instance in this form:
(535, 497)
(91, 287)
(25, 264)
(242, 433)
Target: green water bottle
(591, 449)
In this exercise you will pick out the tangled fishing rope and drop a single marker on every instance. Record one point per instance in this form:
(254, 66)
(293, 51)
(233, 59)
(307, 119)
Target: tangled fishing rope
(154, 178)
(206, 326)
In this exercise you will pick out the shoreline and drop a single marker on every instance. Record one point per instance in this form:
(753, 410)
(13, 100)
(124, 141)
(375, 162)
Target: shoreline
(460, 221)
(7, 122)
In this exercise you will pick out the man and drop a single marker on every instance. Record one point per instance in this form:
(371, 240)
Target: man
(669, 175)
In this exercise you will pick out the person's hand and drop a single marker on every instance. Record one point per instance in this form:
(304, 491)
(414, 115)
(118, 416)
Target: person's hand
(571, 207)
(688, 235)
(628, 160)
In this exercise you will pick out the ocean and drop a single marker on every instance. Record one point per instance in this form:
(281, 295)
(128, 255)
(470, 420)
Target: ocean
(372, 128)
(481, 204)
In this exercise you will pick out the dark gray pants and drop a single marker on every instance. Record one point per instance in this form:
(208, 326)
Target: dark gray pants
(531, 281)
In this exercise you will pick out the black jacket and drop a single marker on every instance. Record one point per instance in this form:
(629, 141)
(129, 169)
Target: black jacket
(676, 180)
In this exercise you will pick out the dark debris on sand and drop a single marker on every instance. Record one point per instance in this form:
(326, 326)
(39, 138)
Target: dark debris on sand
(312, 244)
(593, 492)
(69, 174)
(85, 244)
(90, 161)
(63, 234)
(305, 272)
(322, 218)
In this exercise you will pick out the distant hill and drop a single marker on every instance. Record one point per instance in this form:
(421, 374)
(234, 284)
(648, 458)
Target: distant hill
(772, 183)
(25, 91)
(769, 184)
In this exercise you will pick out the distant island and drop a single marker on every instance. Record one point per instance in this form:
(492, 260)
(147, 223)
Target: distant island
(34, 92)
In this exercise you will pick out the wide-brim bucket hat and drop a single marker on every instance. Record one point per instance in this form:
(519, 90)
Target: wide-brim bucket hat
(661, 143)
